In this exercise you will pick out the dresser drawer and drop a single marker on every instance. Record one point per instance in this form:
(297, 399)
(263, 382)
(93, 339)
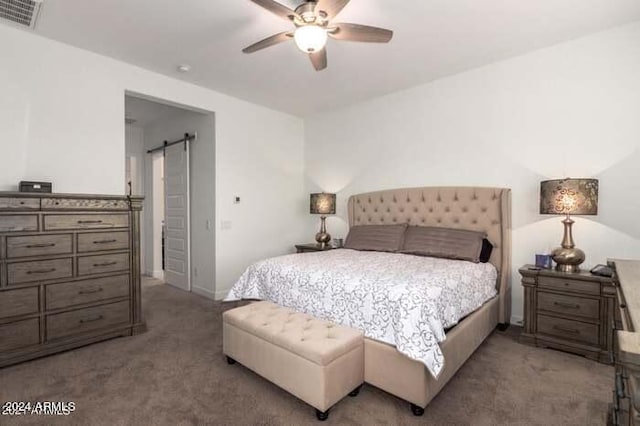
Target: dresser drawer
(88, 319)
(38, 245)
(19, 203)
(53, 222)
(568, 329)
(98, 241)
(86, 291)
(571, 285)
(89, 265)
(39, 270)
(18, 223)
(19, 334)
(569, 305)
(22, 301)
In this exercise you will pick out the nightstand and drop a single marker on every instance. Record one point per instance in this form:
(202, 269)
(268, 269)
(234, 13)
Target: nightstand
(572, 312)
(304, 248)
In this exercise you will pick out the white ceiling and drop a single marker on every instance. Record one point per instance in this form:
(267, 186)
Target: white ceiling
(433, 38)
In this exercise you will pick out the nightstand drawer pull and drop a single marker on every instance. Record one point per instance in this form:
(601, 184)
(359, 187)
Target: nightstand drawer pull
(105, 241)
(41, 271)
(567, 305)
(98, 290)
(30, 246)
(88, 222)
(99, 265)
(620, 392)
(94, 319)
(566, 329)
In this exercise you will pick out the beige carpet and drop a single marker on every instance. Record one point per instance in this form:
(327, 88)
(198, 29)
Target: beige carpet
(175, 374)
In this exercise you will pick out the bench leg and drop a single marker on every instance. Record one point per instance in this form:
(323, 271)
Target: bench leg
(322, 415)
(230, 360)
(355, 392)
(417, 411)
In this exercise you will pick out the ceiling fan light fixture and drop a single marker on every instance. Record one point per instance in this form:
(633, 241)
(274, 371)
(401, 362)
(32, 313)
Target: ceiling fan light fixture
(310, 38)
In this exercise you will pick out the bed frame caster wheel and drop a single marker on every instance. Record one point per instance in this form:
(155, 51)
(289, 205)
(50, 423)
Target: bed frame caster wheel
(230, 360)
(322, 415)
(417, 411)
(355, 392)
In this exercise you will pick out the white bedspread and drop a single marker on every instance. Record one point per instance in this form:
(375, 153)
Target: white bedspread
(404, 300)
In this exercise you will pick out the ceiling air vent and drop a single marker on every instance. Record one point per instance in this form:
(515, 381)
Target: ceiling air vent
(23, 12)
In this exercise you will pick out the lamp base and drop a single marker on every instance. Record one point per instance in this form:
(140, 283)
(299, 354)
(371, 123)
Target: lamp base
(323, 237)
(568, 259)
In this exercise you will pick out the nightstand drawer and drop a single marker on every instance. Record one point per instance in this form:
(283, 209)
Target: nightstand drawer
(569, 305)
(568, 329)
(571, 285)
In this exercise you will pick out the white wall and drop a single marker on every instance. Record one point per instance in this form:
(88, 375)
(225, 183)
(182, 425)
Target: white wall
(202, 178)
(62, 119)
(570, 110)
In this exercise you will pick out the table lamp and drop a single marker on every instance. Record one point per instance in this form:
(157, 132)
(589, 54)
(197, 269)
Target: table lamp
(569, 197)
(323, 204)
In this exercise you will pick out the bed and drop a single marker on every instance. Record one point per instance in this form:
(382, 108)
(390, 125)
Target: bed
(385, 294)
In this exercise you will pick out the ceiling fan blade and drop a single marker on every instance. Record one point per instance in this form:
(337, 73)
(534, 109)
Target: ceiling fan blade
(319, 59)
(277, 8)
(269, 41)
(331, 7)
(363, 33)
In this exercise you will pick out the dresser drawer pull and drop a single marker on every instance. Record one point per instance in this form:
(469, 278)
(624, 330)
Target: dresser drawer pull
(567, 305)
(97, 265)
(41, 245)
(566, 329)
(94, 319)
(620, 392)
(41, 271)
(87, 222)
(97, 290)
(105, 241)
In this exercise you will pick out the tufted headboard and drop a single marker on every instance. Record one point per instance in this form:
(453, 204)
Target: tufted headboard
(474, 208)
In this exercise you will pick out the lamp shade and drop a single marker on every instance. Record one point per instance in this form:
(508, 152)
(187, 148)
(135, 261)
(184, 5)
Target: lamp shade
(322, 203)
(569, 196)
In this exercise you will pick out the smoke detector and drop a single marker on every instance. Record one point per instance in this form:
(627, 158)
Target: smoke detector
(22, 12)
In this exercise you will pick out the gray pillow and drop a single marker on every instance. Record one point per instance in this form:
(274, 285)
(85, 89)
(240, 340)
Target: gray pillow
(375, 237)
(449, 243)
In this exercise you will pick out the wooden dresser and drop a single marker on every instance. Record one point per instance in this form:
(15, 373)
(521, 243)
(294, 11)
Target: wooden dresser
(572, 312)
(625, 409)
(69, 272)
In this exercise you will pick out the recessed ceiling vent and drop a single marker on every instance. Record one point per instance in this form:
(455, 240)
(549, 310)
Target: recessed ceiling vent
(23, 12)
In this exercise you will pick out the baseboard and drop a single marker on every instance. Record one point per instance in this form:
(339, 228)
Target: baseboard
(221, 294)
(517, 320)
(204, 292)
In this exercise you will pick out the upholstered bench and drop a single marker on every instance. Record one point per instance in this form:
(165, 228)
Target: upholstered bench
(315, 360)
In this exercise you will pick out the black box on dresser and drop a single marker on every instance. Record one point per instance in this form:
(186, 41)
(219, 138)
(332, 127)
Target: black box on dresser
(69, 272)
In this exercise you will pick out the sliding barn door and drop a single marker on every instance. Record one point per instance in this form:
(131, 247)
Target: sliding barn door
(176, 190)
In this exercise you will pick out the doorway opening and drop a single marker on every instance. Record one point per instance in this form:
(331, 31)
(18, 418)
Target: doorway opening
(170, 161)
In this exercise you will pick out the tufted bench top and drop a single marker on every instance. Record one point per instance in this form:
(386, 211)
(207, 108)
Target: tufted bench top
(316, 340)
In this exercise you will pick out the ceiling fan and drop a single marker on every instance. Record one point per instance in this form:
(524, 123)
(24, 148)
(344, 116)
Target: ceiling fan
(313, 26)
